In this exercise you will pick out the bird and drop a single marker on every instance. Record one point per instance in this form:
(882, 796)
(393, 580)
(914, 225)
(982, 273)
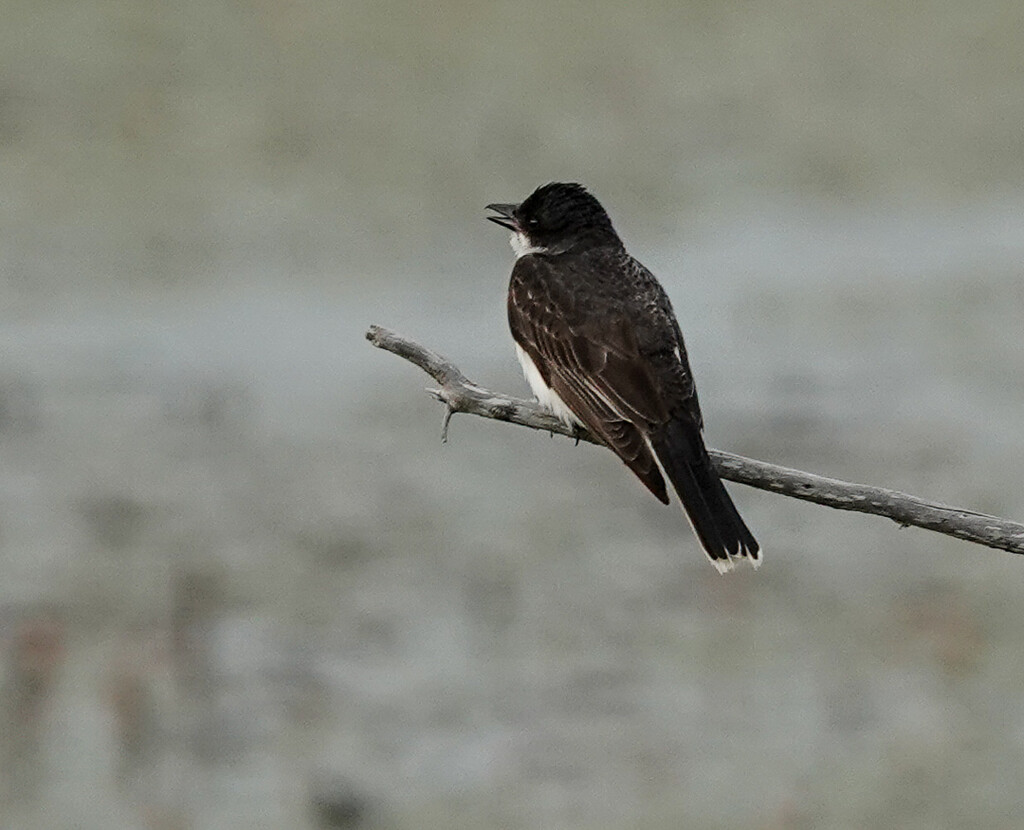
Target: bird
(602, 350)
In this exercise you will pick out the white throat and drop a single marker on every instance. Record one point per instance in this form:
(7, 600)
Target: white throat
(521, 245)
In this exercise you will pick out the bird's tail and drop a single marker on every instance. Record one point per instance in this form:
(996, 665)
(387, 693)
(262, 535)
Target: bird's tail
(714, 518)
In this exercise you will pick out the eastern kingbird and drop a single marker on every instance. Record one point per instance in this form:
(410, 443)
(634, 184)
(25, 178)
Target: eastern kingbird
(601, 348)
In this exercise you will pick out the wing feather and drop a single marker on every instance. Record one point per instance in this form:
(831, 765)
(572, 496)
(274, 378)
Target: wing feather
(599, 374)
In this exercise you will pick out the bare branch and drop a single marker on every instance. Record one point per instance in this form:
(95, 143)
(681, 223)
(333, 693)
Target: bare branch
(459, 394)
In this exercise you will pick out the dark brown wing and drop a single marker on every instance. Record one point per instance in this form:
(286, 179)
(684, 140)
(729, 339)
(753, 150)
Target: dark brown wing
(662, 343)
(587, 352)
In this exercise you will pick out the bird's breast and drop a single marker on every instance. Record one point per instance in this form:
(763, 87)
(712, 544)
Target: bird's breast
(544, 394)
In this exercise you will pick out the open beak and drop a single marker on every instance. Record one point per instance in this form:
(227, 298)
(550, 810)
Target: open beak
(506, 216)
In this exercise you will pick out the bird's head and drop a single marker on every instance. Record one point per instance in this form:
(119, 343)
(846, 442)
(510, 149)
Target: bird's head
(553, 219)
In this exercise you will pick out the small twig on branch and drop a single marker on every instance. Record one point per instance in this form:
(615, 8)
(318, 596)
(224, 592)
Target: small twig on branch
(459, 394)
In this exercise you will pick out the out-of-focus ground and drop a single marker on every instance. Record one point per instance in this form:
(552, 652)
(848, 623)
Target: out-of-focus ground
(242, 584)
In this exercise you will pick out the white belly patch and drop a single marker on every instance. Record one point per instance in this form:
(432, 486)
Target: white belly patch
(546, 397)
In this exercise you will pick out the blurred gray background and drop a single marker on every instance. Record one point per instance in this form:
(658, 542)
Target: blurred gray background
(243, 584)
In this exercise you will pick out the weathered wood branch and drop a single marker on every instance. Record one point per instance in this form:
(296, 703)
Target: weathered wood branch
(459, 394)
